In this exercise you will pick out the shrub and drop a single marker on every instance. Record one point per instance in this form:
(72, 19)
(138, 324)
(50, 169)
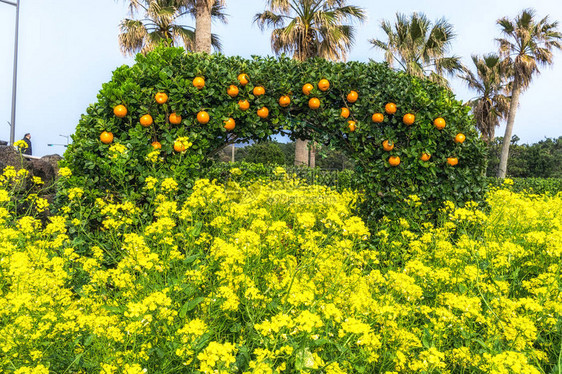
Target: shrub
(265, 153)
(123, 166)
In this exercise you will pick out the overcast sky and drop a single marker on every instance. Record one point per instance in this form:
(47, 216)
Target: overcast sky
(68, 48)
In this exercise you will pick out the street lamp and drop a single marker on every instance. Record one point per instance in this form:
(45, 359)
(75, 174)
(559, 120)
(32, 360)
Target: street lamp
(67, 139)
(15, 80)
(64, 136)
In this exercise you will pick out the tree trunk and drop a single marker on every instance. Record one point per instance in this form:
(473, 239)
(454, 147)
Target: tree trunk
(312, 162)
(203, 26)
(502, 170)
(301, 152)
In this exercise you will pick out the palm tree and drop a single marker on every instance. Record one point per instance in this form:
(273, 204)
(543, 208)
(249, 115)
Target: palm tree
(310, 28)
(419, 48)
(204, 12)
(527, 45)
(490, 81)
(161, 24)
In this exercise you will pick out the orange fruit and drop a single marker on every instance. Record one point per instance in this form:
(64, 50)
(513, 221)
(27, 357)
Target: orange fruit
(352, 126)
(439, 123)
(161, 97)
(408, 119)
(156, 145)
(314, 103)
(199, 82)
(344, 112)
(284, 101)
(178, 146)
(394, 160)
(146, 120)
(232, 91)
(120, 111)
(106, 137)
(323, 85)
(307, 88)
(263, 112)
(203, 117)
(243, 79)
(452, 161)
(460, 138)
(388, 145)
(243, 104)
(425, 157)
(258, 90)
(174, 119)
(390, 108)
(229, 124)
(377, 117)
(352, 96)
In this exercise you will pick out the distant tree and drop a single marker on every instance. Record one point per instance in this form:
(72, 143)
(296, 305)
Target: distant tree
(265, 153)
(161, 23)
(538, 160)
(331, 158)
(419, 48)
(310, 28)
(289, 152)
(527, 44)
(491, 104)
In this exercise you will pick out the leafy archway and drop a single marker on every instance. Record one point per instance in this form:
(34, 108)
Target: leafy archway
(122, 165)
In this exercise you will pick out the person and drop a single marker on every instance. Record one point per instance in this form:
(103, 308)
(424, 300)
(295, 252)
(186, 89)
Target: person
(27, 139)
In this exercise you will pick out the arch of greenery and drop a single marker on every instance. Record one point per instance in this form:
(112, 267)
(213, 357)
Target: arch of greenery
(123, 169)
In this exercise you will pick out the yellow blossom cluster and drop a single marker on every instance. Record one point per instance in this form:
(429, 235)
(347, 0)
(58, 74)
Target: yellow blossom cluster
(280, 277)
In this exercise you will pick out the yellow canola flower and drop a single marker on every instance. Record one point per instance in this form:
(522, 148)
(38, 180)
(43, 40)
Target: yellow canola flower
(65, 172)
(217, 356)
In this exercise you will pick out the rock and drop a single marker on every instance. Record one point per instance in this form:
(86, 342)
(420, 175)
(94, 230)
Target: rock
(53, 160)
(45, 167)
(42, 169)
(10, 157)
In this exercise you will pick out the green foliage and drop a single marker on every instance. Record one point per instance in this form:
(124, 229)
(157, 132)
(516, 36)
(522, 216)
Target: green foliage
(265, 153)
(171, 70)
(530, 185)
(539, 160)
(245, 173)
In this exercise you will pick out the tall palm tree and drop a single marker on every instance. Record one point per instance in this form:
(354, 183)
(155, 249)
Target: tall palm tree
(527, 44)
(310, 28)
(419, 48)
(204, 11)
(490, 82)
(161, 24)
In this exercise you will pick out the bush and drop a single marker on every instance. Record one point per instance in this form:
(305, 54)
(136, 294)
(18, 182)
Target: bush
(265, 153)
(122, 167)
(529, 185)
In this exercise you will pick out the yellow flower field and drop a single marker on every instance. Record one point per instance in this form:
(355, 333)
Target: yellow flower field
(278, 277)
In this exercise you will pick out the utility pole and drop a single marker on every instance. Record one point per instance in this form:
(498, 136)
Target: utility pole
(15, 78)
(232, 155)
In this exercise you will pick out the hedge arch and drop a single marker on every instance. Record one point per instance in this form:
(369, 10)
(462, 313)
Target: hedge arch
(122, 165)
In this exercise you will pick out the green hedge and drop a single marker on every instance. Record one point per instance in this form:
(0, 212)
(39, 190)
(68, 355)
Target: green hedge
(121, 168)
(531, 185)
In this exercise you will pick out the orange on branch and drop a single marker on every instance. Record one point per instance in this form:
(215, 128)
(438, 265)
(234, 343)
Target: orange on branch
(174, 119)
(120, 111)
(377, 117)
(390, 108)
(203, 117)
(263, 112)
(199, 82)
(229, 124)
(161, 97)
(106, 137)
(232, 91)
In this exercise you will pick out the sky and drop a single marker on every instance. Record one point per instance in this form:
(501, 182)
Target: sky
(69, 48)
